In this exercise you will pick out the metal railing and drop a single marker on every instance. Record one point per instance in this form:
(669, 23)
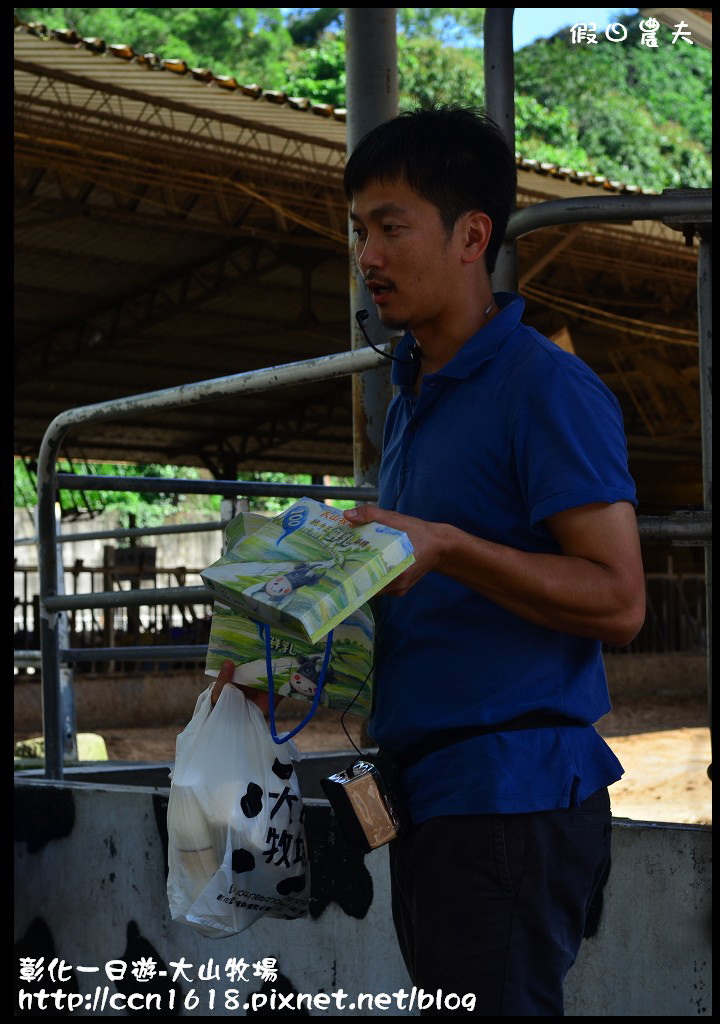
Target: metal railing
(58, 702)
(674, 623)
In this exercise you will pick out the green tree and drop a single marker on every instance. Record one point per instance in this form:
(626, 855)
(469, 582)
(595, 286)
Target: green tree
(248, 42)
(146, 508)
(457, 27)
(307, 24)
(318, 72)
(638, 114)
(431, 68)
(549, 135)
(430, 72)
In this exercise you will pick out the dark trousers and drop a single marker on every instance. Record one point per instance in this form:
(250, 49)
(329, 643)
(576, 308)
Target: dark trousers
(496, 905)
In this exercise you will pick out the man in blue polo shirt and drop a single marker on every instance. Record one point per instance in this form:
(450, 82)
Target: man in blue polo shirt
(505, 463)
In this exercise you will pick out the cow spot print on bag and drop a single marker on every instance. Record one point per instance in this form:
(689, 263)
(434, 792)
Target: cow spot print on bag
(283, 771)
(251, 803)
(242, 860)
(289, 885)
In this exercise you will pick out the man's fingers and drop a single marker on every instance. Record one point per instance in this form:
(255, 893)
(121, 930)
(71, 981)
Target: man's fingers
(358, 514)
(224, 676)
(253, 694)
(226, 672)
(368, 514)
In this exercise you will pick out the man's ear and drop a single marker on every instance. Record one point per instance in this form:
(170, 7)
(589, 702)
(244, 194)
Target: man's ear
(477, 229)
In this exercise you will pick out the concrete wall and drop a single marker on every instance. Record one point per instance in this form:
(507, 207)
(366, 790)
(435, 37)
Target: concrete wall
(90, 887)
(167, 698)
(194, 550)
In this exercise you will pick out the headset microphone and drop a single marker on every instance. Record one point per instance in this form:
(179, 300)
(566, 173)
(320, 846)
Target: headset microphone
(360, 316)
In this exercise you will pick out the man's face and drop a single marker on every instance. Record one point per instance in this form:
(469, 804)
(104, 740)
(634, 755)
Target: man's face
(405, 255)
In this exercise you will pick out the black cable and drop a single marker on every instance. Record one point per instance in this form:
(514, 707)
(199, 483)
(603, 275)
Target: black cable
(362, 314)
(360, 688)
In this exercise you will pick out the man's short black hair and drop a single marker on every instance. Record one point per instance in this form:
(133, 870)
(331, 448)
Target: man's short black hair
(455, 157)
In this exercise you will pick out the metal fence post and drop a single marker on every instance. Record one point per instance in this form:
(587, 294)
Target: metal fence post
(49, 630)
(705, 363)
(68, 721)
(499, 68)
(372, 97)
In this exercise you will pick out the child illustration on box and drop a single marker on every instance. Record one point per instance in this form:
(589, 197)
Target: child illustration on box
(303, 681)
(286, 579)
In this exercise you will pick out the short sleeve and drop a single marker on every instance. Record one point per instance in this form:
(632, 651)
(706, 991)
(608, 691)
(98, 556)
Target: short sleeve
(569, 441)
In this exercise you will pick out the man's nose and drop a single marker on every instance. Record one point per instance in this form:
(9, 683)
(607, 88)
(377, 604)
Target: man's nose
(369, 253)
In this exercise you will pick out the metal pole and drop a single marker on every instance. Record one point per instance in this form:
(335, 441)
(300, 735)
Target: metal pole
(68, 722)
(49, 620)
(131, 598)
(705, 363)
(499, 64)
(140, 531)
(229, 488)
(686, 205)
(372, 97)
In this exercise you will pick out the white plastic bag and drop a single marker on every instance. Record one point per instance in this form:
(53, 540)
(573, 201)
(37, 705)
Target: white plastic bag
(236, 840)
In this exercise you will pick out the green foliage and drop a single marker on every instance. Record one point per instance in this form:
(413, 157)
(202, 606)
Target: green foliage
(633, 113)
(24, 487)
(622, 110)
(248, 42)
(147, 509)
(429, 72)
(454, 27)
(307, 24)
(549, 135)
(318, 72)
(451, 26)
(274, 506)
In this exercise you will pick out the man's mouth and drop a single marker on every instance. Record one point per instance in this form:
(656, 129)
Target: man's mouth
(377, 289)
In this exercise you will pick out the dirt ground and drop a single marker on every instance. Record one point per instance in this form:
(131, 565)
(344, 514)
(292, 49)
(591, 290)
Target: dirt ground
(662, 742)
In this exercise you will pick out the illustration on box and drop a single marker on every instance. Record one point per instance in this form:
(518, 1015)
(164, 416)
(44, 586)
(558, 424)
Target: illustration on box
(296, 663)
(304, 573)
(308, 569)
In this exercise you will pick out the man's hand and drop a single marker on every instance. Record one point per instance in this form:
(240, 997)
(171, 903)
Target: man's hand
(224, 678)
(428, 541)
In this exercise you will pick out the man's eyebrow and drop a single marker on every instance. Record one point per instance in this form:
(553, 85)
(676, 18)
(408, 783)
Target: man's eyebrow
(381, 211)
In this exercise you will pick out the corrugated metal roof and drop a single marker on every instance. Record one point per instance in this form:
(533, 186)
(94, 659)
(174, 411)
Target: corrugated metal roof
(190, 92)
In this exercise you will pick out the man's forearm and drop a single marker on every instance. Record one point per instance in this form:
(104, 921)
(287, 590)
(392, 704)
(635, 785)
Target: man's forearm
(593, 588)
(560, 592)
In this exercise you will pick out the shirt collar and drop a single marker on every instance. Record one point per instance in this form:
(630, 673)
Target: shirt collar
(479, 347)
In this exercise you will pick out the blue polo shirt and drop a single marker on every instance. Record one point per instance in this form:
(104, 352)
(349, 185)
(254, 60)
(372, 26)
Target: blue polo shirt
(512, 430)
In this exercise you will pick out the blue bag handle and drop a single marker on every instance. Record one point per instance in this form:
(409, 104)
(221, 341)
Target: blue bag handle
(265, 633)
